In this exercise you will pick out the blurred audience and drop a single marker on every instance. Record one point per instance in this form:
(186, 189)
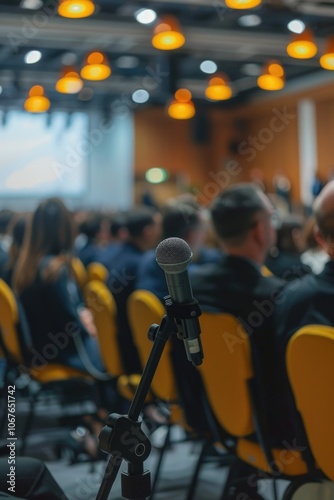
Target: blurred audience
(17, 232)
(6, 216)
(144, 229)
(182, 220)
(284, 259)
(314, 256)
(86, 246)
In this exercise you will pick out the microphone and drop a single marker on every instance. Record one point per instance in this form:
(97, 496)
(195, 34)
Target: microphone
(174, 256)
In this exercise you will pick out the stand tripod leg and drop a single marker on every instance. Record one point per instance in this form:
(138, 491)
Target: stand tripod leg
(110, 474)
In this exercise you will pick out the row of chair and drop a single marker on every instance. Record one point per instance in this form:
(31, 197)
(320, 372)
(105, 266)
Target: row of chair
(228, 379)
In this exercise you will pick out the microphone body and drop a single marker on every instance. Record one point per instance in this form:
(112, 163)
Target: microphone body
(174, 256)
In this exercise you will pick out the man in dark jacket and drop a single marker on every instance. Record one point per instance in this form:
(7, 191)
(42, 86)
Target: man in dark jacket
(242, 217)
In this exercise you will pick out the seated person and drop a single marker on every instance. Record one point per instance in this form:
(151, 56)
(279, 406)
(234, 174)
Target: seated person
(314, 256)
(180, 220)
(62, 329)
(242, 219)
(309, 300)
(284, 259)
(144, 228)
(86, 246)
(17, 232)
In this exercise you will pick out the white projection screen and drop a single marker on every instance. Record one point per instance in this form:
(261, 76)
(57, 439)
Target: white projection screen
(43, 155)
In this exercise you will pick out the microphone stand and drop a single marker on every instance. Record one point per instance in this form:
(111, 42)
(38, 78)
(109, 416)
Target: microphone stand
(123, 437)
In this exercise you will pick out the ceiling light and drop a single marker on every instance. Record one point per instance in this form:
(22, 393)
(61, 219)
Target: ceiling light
(140, 96)
(182, 107)
(167, 34)
(127, 62)
(76, 8)
(31, 4)
(249, 20)
(272, 77)
(302, 46)
(145, 16)
(96, 67)
(208, 67)
(36, 101)
(32, 57)
(296, 26)
(156, 175)
(218, 88)
(69, 82)
(242, 4)
(327, 59)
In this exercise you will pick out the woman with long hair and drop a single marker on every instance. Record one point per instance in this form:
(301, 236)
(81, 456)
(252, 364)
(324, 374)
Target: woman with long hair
(51, 299)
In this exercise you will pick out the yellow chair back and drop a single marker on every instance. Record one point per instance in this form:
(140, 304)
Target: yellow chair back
(100, 301)
(9, 319)
(226, 368)
(79, 271)
(97, 272)
(144, 309)
(310, 365)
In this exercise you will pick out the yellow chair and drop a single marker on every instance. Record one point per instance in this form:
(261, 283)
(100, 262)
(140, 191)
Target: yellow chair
(310, 366)
(101, 303)
(228, 377)
(97, 272)
(79, 272)
(17, 344)
(144, 310)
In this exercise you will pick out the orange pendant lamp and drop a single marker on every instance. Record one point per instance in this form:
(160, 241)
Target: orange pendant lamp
(96, 67)
(272, 77)
(327, 59)
(167, 34)
(242, 4)
(218, 88)
(182, 107)
(302, 46)
(69, 82)
(36, 101)
(76, 9)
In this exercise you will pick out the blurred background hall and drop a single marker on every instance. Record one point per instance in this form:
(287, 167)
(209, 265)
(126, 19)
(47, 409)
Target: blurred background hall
(121, 121)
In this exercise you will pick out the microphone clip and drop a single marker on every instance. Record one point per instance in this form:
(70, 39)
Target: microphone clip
(175, 310)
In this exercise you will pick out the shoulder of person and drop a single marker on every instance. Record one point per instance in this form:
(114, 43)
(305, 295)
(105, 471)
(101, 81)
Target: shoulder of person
(53, 267)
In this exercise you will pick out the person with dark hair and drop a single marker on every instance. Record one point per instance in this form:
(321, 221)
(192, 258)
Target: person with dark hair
(86, 245)
(17, 232)
(144, 227)
(62, 329)
(242, 217)
(284, 258)
(6, 216)
(181, 220)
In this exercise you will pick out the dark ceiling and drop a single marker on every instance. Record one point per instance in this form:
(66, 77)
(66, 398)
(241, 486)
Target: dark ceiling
(212, 32)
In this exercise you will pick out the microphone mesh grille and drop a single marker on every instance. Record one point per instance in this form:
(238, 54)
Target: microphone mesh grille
(173, 251)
